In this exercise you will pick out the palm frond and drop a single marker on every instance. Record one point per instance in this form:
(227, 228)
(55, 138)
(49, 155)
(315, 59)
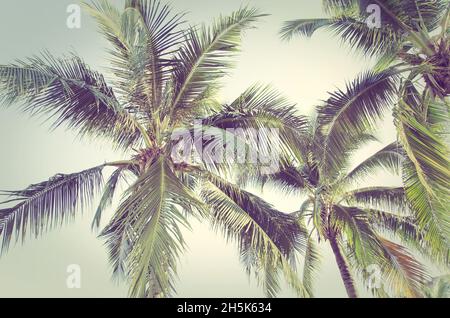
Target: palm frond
(426, 175)
(383, 198)
(68, 92)
(144, 237)
(268, 239)
(405, 228)
(347, 115)
(404, 275)
(400, 226)
(310, 264)
(46, 205)
(414, 14)
(263, 108)
(339, 6)
(388, 159)
(304, 27)
(355, 32)
(107, 196)
(205, 56)
(353, 223)
(288, 179)
(144, 37)
(401, 273)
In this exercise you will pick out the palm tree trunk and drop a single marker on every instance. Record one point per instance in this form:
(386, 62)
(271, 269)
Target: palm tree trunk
(343, 268)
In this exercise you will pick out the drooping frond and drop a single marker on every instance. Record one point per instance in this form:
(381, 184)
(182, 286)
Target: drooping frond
(268, 239)
(359, 235)
(144, 237)
(400, 226)
(349, 20)
(406, 230)
(349, 114)
(406, 15)
(356, 33)
(401, 274)
(288, 179)
(426, 175)
(404, 275)
(383, 198)
(389, 158)
(311, 263)
(204, 58)
(46, 205)
(69, 93)
(263, 108)
(305, 27)
(430, 212)
(107, 197)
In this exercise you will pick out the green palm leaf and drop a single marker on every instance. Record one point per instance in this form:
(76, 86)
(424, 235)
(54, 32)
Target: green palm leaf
(108, 195)
(49, 204)
(426, 175)
(357, 34)
(70, 93)
(346, 115)
(388, 159)
(382, 198)
(268, 239)
(150, 220)
(205, 56)
(144, 37)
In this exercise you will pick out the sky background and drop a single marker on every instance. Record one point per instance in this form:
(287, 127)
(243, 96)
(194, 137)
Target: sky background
(304, 70)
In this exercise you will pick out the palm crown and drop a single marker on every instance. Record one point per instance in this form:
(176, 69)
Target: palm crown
(411, 77)
(359, 223)
(164, 78)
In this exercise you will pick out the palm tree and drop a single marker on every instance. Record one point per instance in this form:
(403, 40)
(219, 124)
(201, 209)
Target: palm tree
(412, 75)
(164, 78)
(363, 225)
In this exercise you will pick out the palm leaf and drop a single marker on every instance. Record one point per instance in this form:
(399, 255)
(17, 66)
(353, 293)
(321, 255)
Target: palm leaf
(49, 204)
(310, 264)
(383, 198)
(389, 159)
(68, 92)
(404, 274)
(263, 108)
(144, 37)
(401, 273)
(356, 33)
(426, 175)
(145, 234)
(107, 197)
(267, 238)
(205, 56)
(347, 115)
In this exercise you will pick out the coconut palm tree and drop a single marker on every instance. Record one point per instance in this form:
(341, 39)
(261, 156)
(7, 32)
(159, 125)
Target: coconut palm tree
(411, 77)
(369, 229)
(164, 76)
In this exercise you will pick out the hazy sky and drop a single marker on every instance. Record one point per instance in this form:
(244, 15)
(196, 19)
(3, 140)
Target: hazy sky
(304, 70)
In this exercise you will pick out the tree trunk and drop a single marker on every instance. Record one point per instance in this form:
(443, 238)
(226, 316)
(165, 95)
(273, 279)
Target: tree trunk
(343, 268)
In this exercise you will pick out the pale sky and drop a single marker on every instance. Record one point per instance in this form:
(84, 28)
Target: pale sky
(304, 70)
